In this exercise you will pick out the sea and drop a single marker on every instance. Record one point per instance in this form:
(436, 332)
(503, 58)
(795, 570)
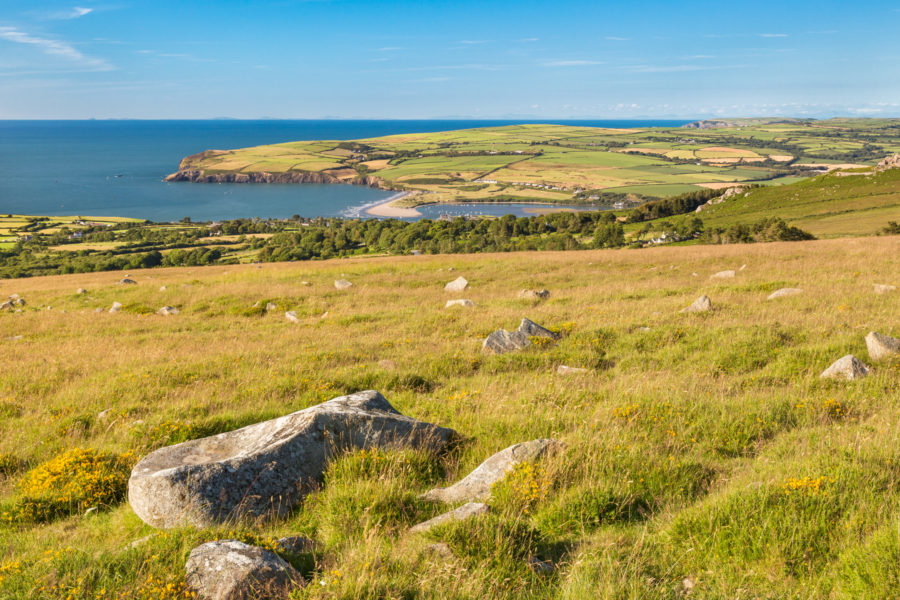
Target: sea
(116, 168)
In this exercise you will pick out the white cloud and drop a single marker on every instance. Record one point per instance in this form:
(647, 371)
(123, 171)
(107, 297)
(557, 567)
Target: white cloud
(773, 35)
(74, 13)
(571, 63)
(614, 38)
(55, 48)
(472, 42)
(529, 39)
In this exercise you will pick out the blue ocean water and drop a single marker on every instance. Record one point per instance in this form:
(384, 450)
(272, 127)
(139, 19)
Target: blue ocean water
(116, 168)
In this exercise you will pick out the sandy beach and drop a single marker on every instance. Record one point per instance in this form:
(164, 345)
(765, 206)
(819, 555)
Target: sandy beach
(385, 209)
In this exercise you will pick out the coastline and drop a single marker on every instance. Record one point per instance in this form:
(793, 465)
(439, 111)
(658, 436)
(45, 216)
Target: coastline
(386, 208)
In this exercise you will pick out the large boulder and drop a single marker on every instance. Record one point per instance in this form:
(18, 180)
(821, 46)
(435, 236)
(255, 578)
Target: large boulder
(701, 304)
(457, 285)
(266, 468)
(466, 511)
(882, 346)
(847, 367)
(784, 292)
(477, 484)
(233, 570)
(503, 341)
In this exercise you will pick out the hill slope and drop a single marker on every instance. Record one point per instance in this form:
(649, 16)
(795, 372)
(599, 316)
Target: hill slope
(702, 451)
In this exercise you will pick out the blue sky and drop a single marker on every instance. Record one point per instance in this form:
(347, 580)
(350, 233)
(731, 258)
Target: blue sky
(368, 59)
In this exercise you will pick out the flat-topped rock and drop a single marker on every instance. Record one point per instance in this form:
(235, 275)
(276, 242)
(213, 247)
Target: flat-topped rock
(291, 316)
(847, 367)
(167, 310)
(883, 288)
(233, 570)
(784, 292)
(477, 484)
(342, 284)
(466, 511)
(532, 329)
(266, 468)
(534, 294)
(723, 274)
(503, 341)
(701, 304)
(882, 346)
(457, 285)
(460, 302)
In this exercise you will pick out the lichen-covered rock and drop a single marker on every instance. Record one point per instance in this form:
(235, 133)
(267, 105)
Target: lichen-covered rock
(784, 292)
(466, 511)
(457, 285)
(264, 469)
(503, 341)
(701, 304)
(882, 346)
(847, 367)
(532, 329)
(477, 484)
(233, 570)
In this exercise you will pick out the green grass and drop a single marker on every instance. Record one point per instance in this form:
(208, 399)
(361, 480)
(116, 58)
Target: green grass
(704, 452)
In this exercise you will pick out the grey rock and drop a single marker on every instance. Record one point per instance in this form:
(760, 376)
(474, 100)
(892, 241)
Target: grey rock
(466, 511)
(784, 292)
(534, 294)
(127, 281)
(233, 570)
(264, 469)
(167, 310)
(723, 275)
(441, 549)
(296, 544)
(457, 285)
(701, 304)
(503, 341)
(7, 305)
(116, 307)
(882, 288)
(882, 346)
(342, 284)
(564, 370)
(532, 329)
(103, 414)
(847, 367)
(460, 302)
(81, 291)
(270, 306)
(541, 567)
(291, 316)
(477, 484)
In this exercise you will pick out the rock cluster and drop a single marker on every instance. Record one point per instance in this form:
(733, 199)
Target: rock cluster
(12, 302)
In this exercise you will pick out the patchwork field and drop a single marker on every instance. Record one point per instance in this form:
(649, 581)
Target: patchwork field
(566, 164)
(703, 456)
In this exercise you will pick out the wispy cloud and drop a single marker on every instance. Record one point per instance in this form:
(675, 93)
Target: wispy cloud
(773, 35)
(530, 39)
(469, 67)
(614, 38)
(665, 68)
(472, 42)
(431, 80)
(571, 63)
(62, 15)
(389, 49)
(55, 48)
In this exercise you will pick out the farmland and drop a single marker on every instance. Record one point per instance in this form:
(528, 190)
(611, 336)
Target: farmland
(563, 164)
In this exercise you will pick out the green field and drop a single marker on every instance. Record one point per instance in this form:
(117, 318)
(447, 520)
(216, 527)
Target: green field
(703, 456)
(566, 164)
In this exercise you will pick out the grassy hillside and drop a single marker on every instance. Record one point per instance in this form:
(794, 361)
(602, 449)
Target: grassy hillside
(703, 454)
(564, 164)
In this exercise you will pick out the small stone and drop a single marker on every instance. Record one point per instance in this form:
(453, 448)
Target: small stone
(643, 329)
(162, 288)
(466, 511)
(103, 414)
(167, 310)
(81, 291)
(784, 292)
(847, 367)
(723, 275)
(296, 544)
(881, 288)
(342, 284)
(461, 302)
(534, 294)
(882, 346)
(127, 281)
(14, 338)
(387, 364)
(291, 316)
(502, 341)
(271, 306)
(441, 549)
(116, 307)
(233, 570)
(98, 310)
(564, 370)
(457, 285)
(305, 283)
(742, 267)
(90, 511)
(701, 304)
